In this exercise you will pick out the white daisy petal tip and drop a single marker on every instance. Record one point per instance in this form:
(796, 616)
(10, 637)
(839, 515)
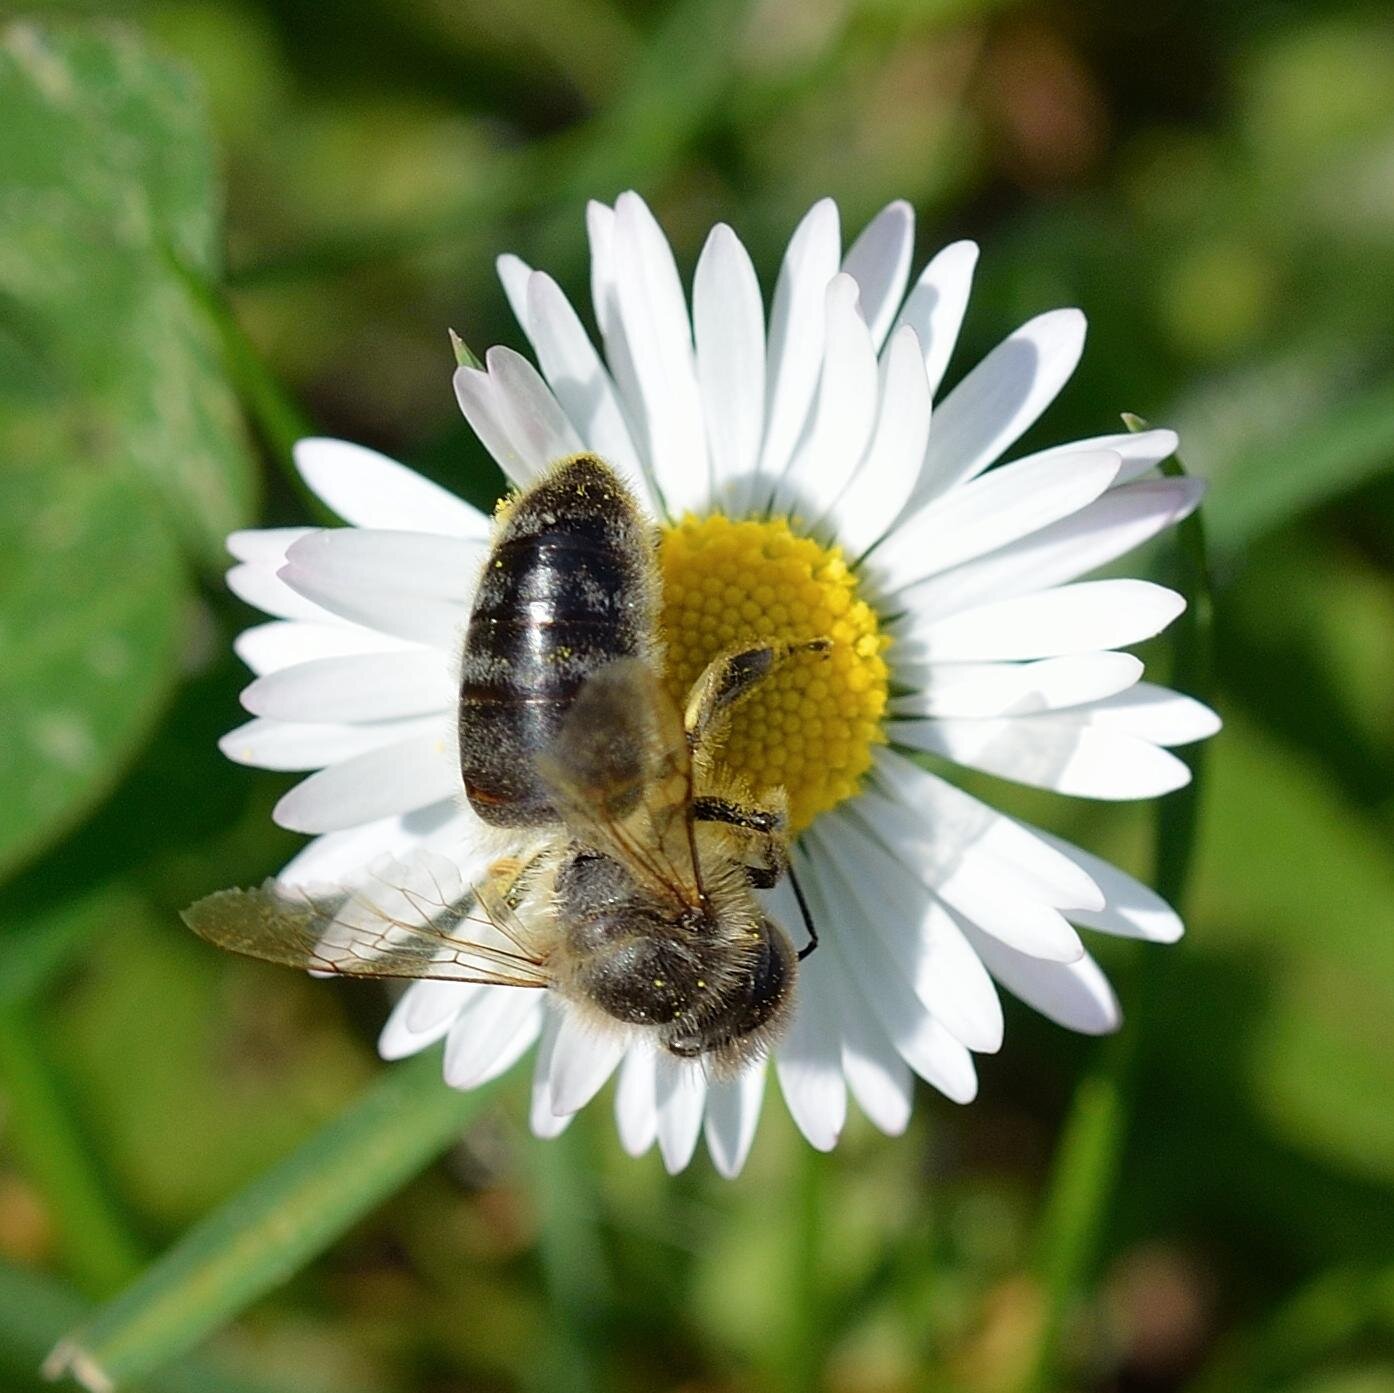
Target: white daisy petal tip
(262, 546)
(368, 489)
(514, 274)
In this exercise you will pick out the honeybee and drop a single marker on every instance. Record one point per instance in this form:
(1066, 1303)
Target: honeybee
(630, 890)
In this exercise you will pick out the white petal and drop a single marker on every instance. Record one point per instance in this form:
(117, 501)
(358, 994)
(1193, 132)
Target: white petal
(370, 490)
(636, 1110)
(680, 1091)
(1122, 519)
(1079, 618)
(342, 858)
(1000, 399)
(527, 1028)
(728, 321)
(267, 648)
(935, 307)
(342, 580)
(808, 1060)
(1139, 450)
(1053, 751)
(294, 746)
(362, 687)
(1014, 689)
(796, 332)
(1131, 909)
(659, 334)
(530, 413)
(844, 415)
(265, 546)
(942, 828)
(976, 886)
(580, 381)
(409, 563)
(480, 400)
(514, 273)
(733, 1113)
(487, 1033)
(879, 261)
(582, 1060)
(936, 1056)
(886, 476)
(255, 585)
(1076, 995)
(600, 227)
(989, 512)
(423, 1014)
(430, 1004)
(912, 935)
(1153, 713)
(544, 1120)
(394, 778)
(925, 1045)
(879, 1079)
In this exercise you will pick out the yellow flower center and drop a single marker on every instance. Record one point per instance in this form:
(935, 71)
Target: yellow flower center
(810, 726)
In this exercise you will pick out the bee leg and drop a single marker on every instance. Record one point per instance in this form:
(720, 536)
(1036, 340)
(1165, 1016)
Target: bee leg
(708, 809)
(508, 876)
(807, 918)
(731, 676)
(767, 860)
(767, 829)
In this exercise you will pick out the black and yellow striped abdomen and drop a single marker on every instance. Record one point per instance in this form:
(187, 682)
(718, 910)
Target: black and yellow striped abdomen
(570, 585)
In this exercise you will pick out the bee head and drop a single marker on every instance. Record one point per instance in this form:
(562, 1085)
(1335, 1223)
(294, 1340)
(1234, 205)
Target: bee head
(750, 1013)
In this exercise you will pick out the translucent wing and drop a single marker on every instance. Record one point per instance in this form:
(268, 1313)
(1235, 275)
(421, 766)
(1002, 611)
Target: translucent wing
(407, 920)
(620, 775)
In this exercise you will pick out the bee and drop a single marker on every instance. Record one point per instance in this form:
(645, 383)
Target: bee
(631, 888)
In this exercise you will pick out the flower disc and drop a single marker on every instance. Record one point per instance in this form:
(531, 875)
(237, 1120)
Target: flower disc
(810, 726)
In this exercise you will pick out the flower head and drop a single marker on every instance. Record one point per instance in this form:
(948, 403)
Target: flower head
(803, 480)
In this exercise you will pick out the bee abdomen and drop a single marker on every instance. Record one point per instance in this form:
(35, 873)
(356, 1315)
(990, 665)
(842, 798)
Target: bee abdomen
(567, 589)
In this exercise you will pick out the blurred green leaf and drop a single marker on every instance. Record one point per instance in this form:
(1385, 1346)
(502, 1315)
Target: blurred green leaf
(264, 1235)
(119, 433)
(263, 1060)
(1305, 630)
(92, 613)
(1315, 908)
(1325, 1317)
(106, 172)
(1276, 478)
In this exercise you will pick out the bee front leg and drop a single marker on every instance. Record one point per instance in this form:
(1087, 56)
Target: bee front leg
(731, 676)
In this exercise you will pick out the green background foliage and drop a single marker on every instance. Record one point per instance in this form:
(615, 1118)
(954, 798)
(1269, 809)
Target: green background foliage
(219, 220)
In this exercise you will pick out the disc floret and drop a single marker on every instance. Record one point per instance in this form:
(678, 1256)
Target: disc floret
(811, 727)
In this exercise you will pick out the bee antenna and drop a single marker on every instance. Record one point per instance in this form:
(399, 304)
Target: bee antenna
(807, 917)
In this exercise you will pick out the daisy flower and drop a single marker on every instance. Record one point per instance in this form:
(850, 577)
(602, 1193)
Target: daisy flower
(804, 479)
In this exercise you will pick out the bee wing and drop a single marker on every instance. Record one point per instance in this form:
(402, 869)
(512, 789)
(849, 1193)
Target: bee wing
(407, 919)
(620, 774)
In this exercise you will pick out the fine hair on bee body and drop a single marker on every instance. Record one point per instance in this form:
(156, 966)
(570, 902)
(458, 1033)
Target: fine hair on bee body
(630, 887)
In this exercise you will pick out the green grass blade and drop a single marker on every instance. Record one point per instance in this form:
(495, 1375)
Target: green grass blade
(575, 1270)
(34, 1309)
(262, 1236)
(1085, 1172)
(98, 1249)
(806, 1338)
